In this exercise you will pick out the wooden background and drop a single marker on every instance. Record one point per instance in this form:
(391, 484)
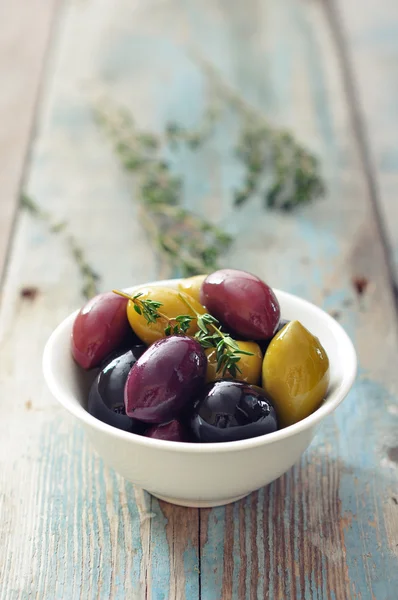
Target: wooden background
(69, 527)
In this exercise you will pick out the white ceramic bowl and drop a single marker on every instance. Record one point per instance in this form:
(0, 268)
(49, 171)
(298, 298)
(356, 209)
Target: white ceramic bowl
(203, 474)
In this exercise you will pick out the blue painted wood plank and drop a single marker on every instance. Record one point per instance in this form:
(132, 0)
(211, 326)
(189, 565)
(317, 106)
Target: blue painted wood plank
(91, 531)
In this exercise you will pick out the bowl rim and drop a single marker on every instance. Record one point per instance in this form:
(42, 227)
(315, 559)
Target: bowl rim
(68, 401)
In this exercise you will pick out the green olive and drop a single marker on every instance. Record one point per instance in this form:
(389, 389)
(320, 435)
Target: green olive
(249, 365)
(295, 373)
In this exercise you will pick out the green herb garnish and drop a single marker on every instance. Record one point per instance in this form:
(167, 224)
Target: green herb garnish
(277, 167)
(149, 309)
(90, 277)
(188, 242)
(210, 334)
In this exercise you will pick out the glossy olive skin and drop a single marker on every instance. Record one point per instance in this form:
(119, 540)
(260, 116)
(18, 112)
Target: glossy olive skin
(165, 380)
(172, 306)
(99, 329)
(231, 411)
(106, 396)
(242, 302)
(173, 431)
(295, 373)
(265, 343)
(250, 366)
(192, 286)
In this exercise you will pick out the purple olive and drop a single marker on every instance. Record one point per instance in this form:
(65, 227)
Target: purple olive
(165, 380)
(173, 431)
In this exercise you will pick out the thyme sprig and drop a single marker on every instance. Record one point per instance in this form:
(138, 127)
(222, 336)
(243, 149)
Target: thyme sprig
(210, 335)
(191, 243)
(293, 170)
(277, 167)
(149, 309)
(194, 138)
(89, 276)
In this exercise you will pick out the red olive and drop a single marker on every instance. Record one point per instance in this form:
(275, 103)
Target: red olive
(99, 329)
(242, 302)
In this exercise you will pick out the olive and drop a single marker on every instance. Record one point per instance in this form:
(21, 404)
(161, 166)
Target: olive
(192, 286)
(295, 373)
(173, 431)
(265, 343)
(165, 380)
(250, 366)
(106, 397)
(241, 302)
(172, 305)
(99, 329)
(231, 410)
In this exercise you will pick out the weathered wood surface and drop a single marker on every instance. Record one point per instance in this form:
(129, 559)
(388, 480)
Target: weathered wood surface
(70, 527)
(371, 31)
(22, 51)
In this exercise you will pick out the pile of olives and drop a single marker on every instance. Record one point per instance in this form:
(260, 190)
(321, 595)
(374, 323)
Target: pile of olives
(211, 361)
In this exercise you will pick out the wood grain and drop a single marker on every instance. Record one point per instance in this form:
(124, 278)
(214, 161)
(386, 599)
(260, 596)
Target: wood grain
(22, 56)
(373, 47)
(318, 540)
(70, 527)
(175, 572)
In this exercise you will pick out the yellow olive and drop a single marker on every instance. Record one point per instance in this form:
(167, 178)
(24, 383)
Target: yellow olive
(192, 286)
(295, 373)
(172, 306)
(249, 365)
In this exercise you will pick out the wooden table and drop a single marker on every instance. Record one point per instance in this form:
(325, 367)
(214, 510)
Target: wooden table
(70, 528)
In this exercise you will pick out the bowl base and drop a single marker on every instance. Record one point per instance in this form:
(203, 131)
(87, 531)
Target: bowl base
(198, 503)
